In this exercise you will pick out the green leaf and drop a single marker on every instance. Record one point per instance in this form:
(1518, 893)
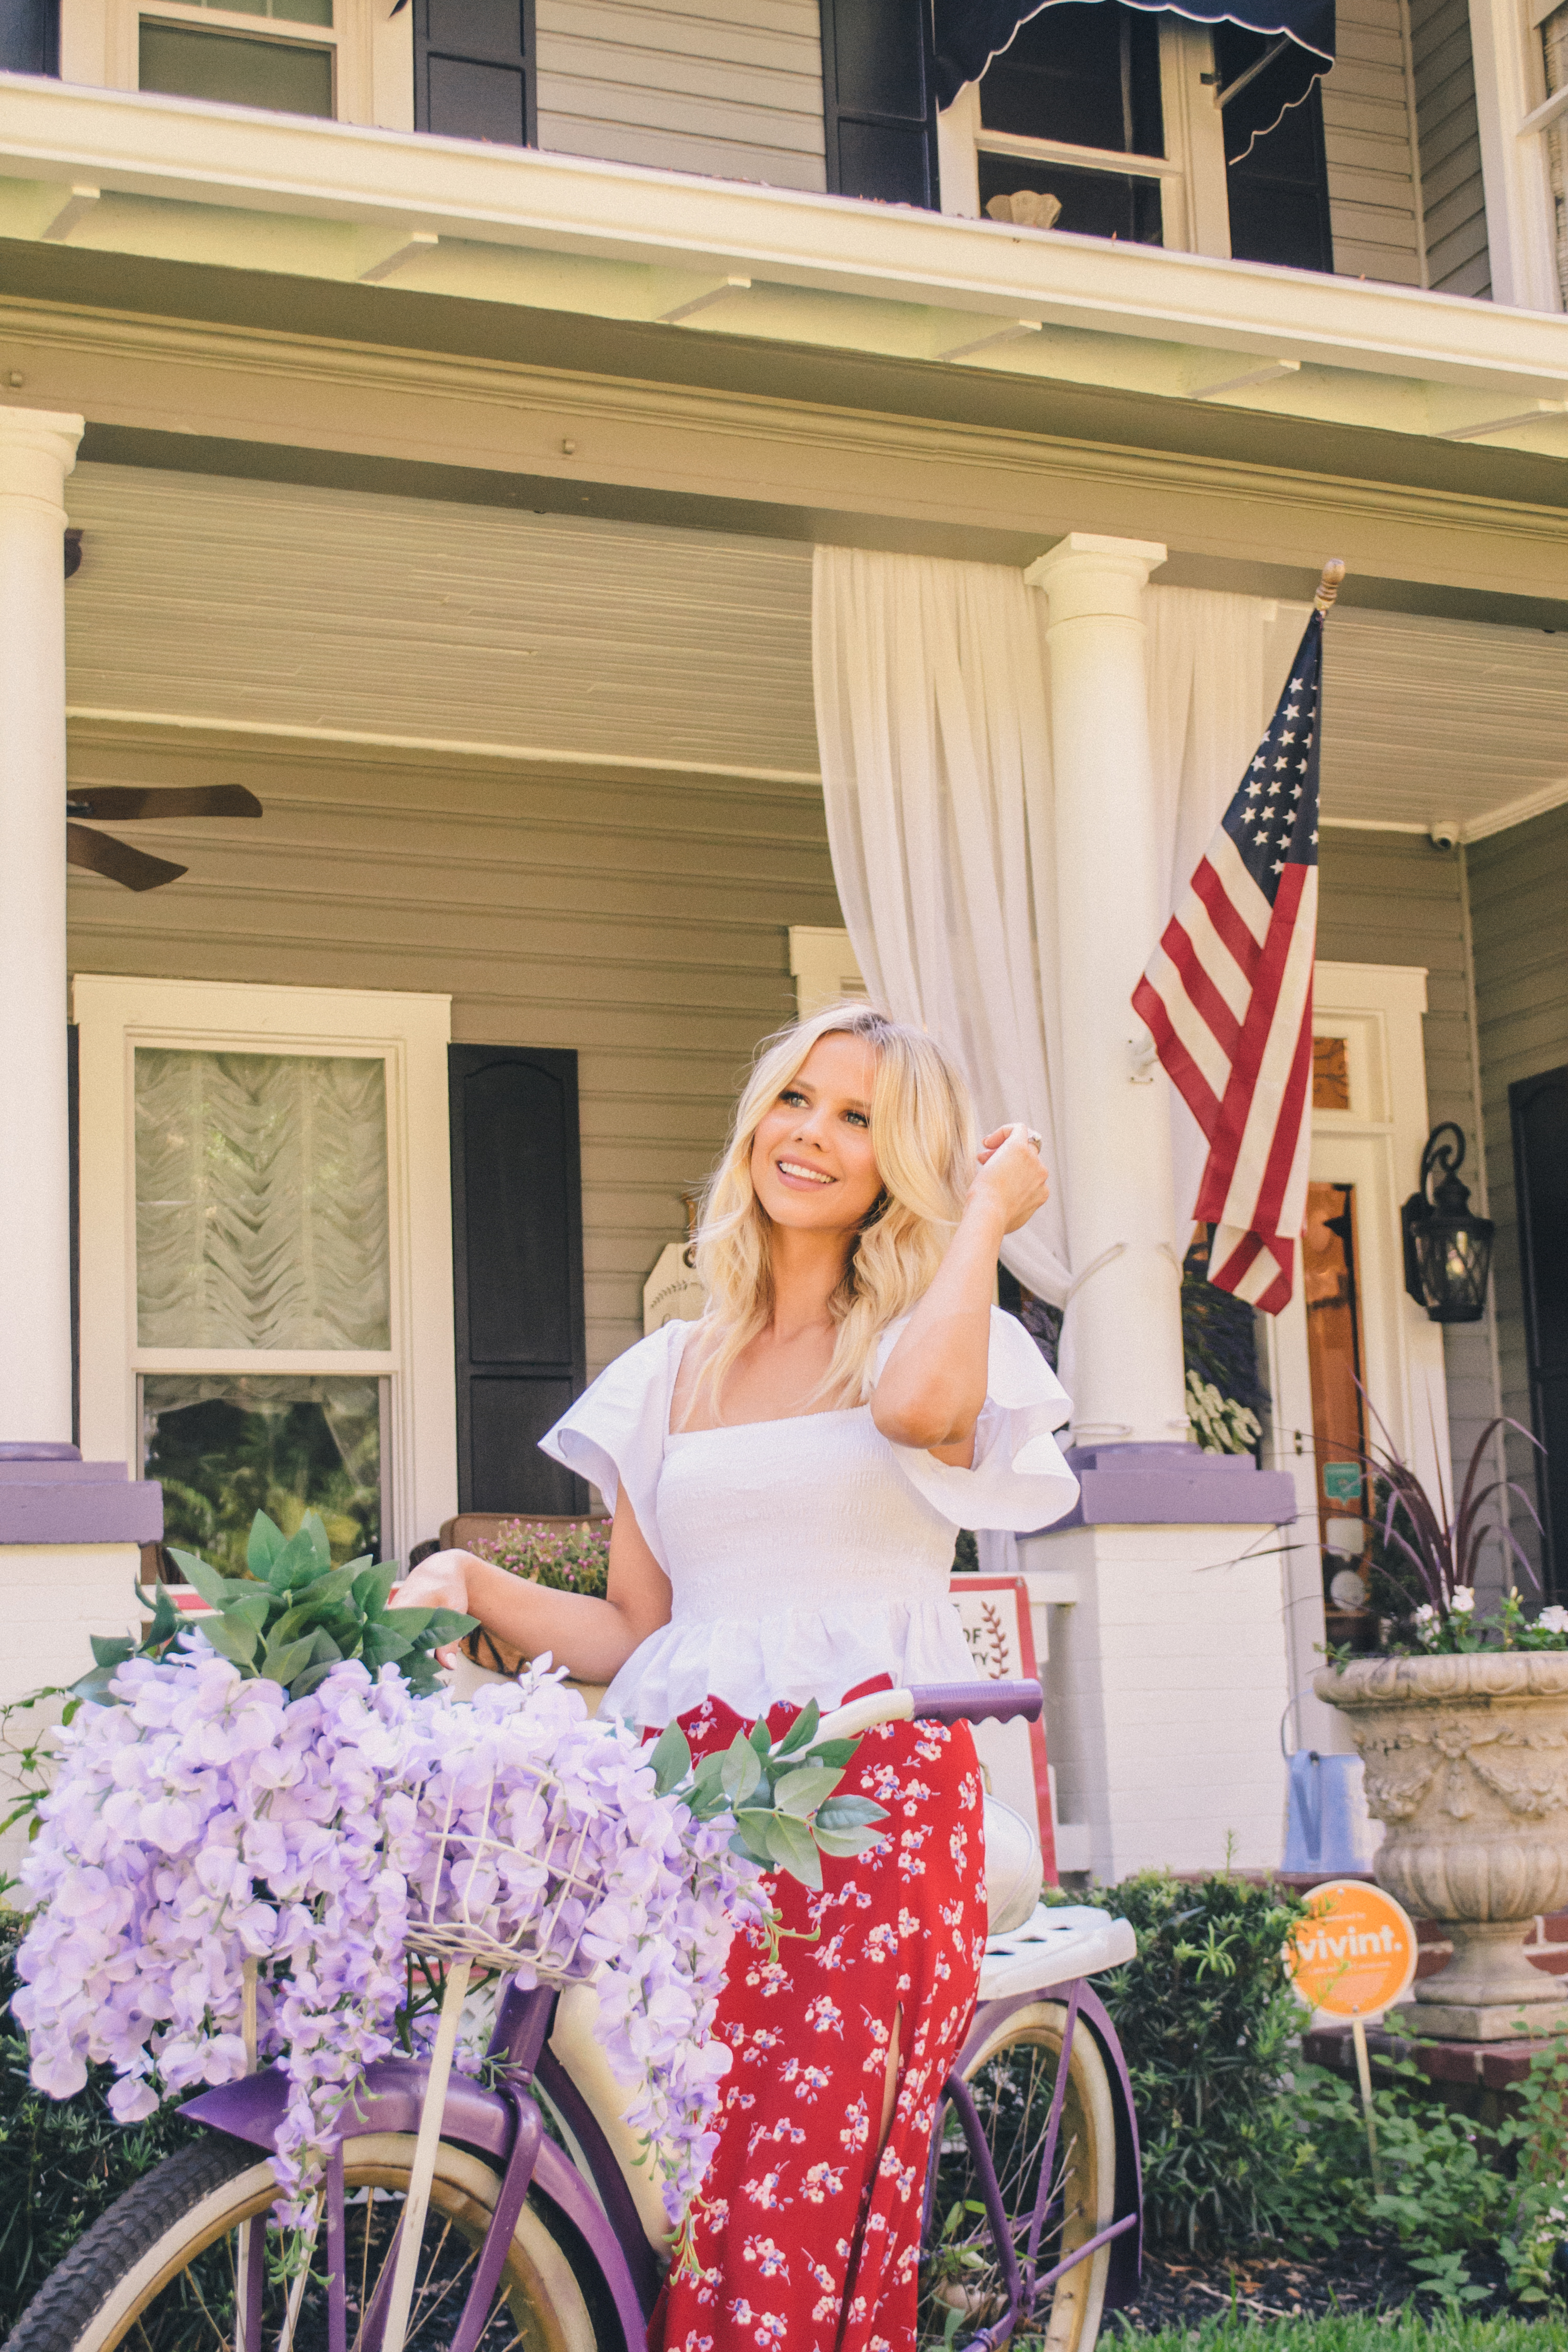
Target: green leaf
(252, 1606)
(382, 1644)
(371, 1587)
(166, 1618)
(297, 1563)
(849, 1814)
(762, 1739)
(740, 1769)
(313, 1529)
(752, 1836)
(281, 1663)
(112, 1649)
(232, 1636)
(205, 1581)
(790, 1842)
(844, 1844)
(800, 1793)
(836, 1752)
(323, 1592)
(324, 1651)
(671, 1759)
(94, 1686)
(801, 1731)
(302, 1684)
(447, 1625)
(263, 1546)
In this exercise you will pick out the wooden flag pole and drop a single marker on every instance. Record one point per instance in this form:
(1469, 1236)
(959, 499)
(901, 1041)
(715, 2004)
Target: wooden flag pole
(1329, 585)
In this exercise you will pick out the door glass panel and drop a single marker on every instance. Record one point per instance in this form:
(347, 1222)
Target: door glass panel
(261, 1201)
(286, 76)
(227, 1446)
(1339, 1422)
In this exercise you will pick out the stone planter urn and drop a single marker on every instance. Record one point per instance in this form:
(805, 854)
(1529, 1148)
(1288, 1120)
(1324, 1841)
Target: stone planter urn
(1466, 1764)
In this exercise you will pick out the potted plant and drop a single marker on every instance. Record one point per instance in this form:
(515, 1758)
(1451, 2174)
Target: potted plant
(568, 1559)
(1461, 1722)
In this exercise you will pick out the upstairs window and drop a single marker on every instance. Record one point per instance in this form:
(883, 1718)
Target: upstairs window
(278, 54)
(1075, 96)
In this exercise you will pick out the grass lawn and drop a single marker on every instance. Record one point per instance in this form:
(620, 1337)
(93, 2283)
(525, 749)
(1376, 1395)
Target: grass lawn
(1362, 2333)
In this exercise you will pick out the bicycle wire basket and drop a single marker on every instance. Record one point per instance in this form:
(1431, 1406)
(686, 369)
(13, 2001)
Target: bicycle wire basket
(480, 1877)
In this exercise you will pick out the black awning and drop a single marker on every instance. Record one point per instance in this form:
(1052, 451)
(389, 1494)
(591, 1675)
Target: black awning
(970, 33)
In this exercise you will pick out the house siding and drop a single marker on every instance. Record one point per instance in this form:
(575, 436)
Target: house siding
(1374, 185)
(729, 87)
(1449, 144)
(1390, 898)
(638, 919)
(1518, 887)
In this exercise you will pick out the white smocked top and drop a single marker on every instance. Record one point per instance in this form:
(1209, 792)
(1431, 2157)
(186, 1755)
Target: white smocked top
(807, 1556)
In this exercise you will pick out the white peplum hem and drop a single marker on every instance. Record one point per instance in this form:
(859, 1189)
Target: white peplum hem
(756, 1661)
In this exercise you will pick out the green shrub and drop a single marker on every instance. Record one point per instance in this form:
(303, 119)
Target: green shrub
(62, 2161)
(1207, 2017)
(567, 1560)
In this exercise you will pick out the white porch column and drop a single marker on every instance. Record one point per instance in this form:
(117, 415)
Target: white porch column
(1114, 1134)
(37, 450)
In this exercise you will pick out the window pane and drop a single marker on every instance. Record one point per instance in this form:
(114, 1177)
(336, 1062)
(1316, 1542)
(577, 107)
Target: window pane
(1094, 203)
(1089, 75)
(287, 76)
(261, 1201)
(226, 1447)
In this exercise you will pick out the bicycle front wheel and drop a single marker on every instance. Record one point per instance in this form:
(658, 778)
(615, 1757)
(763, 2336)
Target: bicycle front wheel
(1012, 2079)
(159, 2272)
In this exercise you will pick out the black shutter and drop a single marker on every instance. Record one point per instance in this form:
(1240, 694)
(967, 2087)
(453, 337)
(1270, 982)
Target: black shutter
(517, 1233)
(29, 36)
(473, 70)
(1539, 1106)
(879, 94)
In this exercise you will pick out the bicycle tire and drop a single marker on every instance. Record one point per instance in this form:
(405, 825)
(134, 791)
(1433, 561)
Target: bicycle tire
(1011, 2077)
(134, 2276)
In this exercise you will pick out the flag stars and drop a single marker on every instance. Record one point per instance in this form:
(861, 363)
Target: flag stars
(1278, 865)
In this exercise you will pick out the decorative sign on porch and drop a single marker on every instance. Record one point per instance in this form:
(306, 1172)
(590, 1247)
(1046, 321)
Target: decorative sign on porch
(1353, 1955)
(994, 1613)
(672, 1293)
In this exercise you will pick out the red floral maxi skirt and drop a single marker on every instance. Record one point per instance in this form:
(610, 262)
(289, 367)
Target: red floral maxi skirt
(807, 2241)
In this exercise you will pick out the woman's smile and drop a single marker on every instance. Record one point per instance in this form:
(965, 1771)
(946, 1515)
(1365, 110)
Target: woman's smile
(795, 1171)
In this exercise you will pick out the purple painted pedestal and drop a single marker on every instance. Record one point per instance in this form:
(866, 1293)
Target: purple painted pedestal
(49, 1494)
(1174, 1485)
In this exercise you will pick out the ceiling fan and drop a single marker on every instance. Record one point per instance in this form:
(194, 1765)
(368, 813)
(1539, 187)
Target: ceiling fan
(99, 852)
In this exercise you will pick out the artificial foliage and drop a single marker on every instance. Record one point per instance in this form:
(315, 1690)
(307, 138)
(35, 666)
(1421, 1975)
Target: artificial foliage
(205, 1821)
(292, 1617)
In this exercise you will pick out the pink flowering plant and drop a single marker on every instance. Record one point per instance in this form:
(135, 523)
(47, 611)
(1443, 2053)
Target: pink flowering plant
(566, 1559)
(207, 1816)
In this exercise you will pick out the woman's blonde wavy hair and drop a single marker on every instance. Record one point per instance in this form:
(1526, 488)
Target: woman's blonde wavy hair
(924, 1134)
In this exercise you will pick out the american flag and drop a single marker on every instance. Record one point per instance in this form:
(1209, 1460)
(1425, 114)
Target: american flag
(1228, 996)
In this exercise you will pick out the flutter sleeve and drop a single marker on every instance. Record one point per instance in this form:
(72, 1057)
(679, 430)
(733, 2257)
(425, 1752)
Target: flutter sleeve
(615, 1433)
(1019, 1479)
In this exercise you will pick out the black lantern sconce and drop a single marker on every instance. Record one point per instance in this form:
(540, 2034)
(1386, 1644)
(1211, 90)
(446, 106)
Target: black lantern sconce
(1447, 1249)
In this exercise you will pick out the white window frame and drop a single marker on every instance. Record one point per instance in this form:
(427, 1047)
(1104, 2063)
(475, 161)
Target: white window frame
(410, 1034)
(372, 74)
(1195, 203)
(1513, 113)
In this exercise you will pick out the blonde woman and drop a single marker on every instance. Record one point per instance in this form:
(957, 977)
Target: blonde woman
(786, 1477)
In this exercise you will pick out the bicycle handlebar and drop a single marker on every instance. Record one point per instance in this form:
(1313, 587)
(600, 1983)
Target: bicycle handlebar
(976, 1702)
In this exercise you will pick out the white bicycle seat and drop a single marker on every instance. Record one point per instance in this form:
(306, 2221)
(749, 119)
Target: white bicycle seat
(1058, 1942)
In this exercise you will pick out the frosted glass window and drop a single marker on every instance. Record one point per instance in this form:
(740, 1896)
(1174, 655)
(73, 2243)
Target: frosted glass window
(261, 1201)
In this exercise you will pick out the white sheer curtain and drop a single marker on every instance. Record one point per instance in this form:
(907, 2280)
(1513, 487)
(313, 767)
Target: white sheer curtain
(261, 1201)
(933, 721)
(935, 740)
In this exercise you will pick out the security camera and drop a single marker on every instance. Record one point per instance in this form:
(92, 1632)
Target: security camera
(1444, 833)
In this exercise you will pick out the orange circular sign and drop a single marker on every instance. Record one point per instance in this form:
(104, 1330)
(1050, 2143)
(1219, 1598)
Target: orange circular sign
(1354, 1953)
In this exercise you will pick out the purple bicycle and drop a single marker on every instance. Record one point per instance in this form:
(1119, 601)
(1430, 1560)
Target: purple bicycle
(507, 2211)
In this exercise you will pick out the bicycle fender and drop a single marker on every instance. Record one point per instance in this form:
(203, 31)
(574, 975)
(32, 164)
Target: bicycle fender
(389, 2100)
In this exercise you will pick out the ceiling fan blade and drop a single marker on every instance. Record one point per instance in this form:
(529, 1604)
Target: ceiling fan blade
(99, 852)
(121, 804)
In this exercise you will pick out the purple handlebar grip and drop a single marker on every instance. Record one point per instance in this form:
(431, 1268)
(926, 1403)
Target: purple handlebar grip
(976, 1702)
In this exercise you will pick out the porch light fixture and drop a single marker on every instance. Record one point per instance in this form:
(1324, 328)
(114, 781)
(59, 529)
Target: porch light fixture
(1447, 1249)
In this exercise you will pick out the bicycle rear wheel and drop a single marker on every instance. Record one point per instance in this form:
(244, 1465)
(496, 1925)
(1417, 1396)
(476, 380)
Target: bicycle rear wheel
(158, 2272)
(1012, 2079)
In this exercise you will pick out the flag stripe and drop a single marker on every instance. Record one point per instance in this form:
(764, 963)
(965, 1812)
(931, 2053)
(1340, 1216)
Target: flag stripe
(1185, 1075)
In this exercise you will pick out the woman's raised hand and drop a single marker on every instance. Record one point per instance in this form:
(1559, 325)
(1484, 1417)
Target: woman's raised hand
(439, 1582)
(1010, 1181)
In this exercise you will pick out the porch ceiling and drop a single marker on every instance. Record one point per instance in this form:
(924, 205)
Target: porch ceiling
(269, 608)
